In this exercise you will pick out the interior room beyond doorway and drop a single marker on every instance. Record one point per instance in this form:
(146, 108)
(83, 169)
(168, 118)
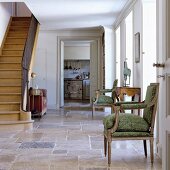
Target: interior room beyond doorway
(76, 71)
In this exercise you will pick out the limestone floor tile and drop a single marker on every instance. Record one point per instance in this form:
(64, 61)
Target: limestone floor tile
(10, 145)
(73, 145)
(7, 158)
(64, 161)
(93, 168)
(86, 153)
(28, 137)
(63, 167)
(75, 136)
(77, 144)
(5, 166)
(94, 161)
(30, 166)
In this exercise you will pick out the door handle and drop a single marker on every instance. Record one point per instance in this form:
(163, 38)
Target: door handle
(158, 65)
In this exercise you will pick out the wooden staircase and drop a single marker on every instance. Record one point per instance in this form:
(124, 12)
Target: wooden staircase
(11, 71)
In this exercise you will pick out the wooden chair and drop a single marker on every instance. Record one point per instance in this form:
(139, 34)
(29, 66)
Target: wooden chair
(123, 126)
(101, 100)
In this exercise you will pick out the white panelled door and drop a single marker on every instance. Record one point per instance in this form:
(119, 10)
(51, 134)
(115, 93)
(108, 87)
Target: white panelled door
(163, 42)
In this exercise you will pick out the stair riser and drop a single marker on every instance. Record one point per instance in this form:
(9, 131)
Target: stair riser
(20, 53)
(9, 117)
(10, 98)
(10, 89)
(16, 28)
(20, 23)
(10, 107)
(10, 59)
(17, 34)
(11, 66)
(21, 19)
(10, 74)
(15, 41)
(14, 47)
(10, 81)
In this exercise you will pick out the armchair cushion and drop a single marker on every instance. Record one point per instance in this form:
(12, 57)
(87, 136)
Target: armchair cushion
(127, 123)
(104, 99)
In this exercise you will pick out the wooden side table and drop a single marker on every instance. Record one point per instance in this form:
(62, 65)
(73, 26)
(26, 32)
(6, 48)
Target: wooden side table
(129, 91)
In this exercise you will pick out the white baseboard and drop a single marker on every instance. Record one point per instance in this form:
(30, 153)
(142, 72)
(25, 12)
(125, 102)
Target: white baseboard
(159, 150)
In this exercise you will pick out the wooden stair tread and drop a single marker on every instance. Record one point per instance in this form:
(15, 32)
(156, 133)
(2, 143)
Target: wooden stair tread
(15, 37)
(11, 49)
(15, 122)
(10, 94)
(11, 78)
(10, 69)
(9, 112)
(10, 85)
(11, 55)
(10, 103)
(9, 62)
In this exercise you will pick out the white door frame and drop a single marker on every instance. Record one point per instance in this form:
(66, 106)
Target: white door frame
(163, 46)
(60, 60)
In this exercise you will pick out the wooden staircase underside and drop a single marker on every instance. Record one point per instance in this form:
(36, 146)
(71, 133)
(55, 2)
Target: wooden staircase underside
(11, 71)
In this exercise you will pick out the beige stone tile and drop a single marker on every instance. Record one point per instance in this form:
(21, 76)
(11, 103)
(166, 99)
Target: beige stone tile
(78, 146)
(5, 166)
(92, 161)
(9, 145)
(30, 166)
(79, 136)
(7, 158)
(86, 153)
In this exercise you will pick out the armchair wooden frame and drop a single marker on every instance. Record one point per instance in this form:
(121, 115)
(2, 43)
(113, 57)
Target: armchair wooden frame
(102, 92)
(108, 133)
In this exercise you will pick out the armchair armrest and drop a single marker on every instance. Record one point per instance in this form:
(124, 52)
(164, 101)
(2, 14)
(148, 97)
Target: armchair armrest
(104, 91)
(132, 106)
(119, 103)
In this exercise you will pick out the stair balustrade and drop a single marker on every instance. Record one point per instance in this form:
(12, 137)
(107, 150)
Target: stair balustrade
(26, 60)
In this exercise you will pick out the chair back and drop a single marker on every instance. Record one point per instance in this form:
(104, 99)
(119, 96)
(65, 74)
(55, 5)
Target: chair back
(151, 100)
(114, 89)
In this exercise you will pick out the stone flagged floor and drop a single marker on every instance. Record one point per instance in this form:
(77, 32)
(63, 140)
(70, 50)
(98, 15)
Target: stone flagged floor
(69, 140)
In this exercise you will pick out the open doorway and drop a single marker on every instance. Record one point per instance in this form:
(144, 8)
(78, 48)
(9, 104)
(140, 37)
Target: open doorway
(76, 72)
(92, 79)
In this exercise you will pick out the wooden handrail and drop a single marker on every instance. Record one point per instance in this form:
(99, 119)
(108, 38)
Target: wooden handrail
(26, 60)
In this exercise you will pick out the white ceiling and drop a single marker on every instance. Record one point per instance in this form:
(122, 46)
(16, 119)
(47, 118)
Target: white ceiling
(69, 14)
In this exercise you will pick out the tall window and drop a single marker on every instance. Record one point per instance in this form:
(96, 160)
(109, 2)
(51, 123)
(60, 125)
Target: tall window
(129, 45)
(118, 55)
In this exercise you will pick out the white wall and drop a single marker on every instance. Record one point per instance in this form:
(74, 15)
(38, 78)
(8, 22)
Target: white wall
(77, 52)
(5, 14)
(22, 10)
(110, 60)
(137, 11)
(45, 65)
(47, 51)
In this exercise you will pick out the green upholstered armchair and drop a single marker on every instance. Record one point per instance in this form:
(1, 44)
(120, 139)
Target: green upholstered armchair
(123, 126)
(101, 100)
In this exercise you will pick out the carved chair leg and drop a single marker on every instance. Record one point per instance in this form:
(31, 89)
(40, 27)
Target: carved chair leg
(109, 152)
(151, 150)
(145, 147)
(105, 146)
(93, 110)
